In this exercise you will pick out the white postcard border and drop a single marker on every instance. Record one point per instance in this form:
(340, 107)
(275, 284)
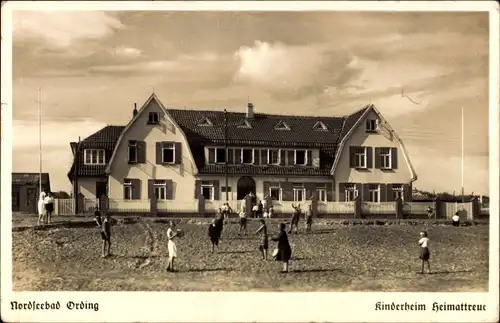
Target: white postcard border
(246, 306)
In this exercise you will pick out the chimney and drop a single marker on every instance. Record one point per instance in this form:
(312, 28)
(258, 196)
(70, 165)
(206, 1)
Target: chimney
(250, 111)
(134, 113)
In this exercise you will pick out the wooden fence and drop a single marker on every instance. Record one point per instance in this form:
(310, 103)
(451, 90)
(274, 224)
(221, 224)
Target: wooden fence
(202, 207)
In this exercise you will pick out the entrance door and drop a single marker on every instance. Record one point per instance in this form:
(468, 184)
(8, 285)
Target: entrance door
(101, 188)
(31, 200)
(245, 186)
(15, 201)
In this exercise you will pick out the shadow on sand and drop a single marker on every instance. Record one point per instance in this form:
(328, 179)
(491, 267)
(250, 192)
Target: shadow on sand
(201, 270)
(235, 252)
(313, 270)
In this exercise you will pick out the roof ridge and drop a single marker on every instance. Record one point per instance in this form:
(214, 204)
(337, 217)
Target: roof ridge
(270, 115)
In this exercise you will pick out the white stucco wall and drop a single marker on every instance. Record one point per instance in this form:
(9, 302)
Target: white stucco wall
(87, 186)
(343, 172)
(181, 175)
(259, 183)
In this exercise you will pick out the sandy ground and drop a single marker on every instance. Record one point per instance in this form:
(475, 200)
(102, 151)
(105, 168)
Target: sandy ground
(332, 258)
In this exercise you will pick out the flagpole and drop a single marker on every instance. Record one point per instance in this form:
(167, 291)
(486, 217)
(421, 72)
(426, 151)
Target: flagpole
(462, 168)
(40, 138)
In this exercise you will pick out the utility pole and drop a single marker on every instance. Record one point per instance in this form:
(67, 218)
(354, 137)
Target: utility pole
(226, 155)
(462, 166)
(75, 174)
(40, 141)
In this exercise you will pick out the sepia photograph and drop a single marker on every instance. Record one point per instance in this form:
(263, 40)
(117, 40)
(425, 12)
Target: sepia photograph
(261, 150)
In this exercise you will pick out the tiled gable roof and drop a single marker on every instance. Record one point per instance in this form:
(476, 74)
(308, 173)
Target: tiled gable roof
(302, 134)
(106, 139)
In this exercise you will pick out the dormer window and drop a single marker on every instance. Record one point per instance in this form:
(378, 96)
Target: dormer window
(371, 125)
(205, 122)
(281, 126)
(320, 126)
(154, 118)
(244, 124)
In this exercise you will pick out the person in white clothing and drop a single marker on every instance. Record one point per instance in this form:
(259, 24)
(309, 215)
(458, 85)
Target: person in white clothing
(456, 219)
(424, 251)
(172, 248)
(41, 207)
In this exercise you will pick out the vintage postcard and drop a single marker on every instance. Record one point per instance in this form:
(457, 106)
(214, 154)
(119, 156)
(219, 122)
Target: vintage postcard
(250, 161)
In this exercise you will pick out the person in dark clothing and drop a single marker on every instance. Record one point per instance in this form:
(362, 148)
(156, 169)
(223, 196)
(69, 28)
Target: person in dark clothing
(295, 218)
(97, 216)
(106, 236)
(219, 224)
(260, 209)
(284, 249)
(264, 243)
(213, 234)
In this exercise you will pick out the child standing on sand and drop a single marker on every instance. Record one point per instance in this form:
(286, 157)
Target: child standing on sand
(172, 248)
(424, 251)
(264, 242)
(106, 236)
(213, 234)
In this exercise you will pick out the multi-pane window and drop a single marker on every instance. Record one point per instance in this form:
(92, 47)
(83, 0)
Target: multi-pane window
(273, 156)
(321, 190)
(350, 192)
(275, 193)
(207, 190)
(360, 157)
(168, 153)
(132, 151)
(94, 156)
(247, 156)
(371, 125)
(160, 187)
(385, 158)
(299, 193)
(300, 157)
(153, 118)
(397, 191)
(127, 189)
(374, 193)
(220, 155)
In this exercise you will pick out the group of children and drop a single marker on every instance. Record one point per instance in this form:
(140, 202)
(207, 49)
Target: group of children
(45, 207)
(282, 253)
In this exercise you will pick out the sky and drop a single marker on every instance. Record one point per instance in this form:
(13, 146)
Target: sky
(93, 66)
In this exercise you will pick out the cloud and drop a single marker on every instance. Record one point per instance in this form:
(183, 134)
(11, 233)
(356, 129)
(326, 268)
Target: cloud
(53, 31)
(278, 65)
(126, 52)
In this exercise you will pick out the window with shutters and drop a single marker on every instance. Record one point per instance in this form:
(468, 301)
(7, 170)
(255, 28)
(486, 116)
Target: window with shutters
(275, 193)
(94, 156)
(220, 155)
(300, 157)
(360, 156)
(168, 153)
(207, 190)
(385, 158)
(371, 125)
(273, 156)
(247, 156)
(132, 151)
(160, 187)
(397, 191)
(127, 189)
(153, 118)
(374, 193)
(350, 192)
